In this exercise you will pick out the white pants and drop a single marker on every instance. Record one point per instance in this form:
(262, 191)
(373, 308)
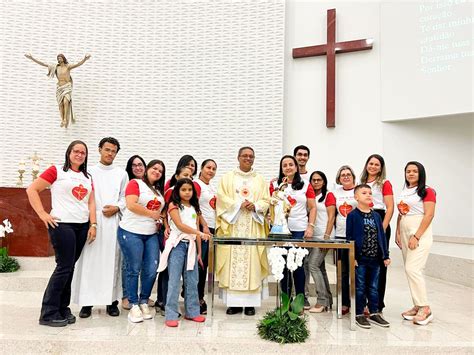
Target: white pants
(415, 260)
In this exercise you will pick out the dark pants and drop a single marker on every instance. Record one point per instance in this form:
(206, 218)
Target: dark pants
(298, 275)
(203, 270)
(343, 255)
(68, 240)
(367, 282)
(383, 268)
(162, 284)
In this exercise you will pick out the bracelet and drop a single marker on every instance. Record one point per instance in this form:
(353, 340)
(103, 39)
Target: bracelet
(311, 224)
(327, 235)
(93, 225)
(414, 236)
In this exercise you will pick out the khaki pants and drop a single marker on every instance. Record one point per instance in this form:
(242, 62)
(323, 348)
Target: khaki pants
(415, 260)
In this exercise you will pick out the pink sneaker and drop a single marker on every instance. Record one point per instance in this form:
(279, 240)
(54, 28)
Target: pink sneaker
(198, 319)
(172, 323)
(411, 313)
(424, 316)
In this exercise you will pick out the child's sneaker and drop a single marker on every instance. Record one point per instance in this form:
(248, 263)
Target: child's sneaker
(135, 315)
(172, 323)
(199, 319)
(411, 313)
(202, 307)
(377, 319)
(146, 311)
(362, 322)
(424, 316)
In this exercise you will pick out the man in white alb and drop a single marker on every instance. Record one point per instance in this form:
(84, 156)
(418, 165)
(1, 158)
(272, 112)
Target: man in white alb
(97, 280)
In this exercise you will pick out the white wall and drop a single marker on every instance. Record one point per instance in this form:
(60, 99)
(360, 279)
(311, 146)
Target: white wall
(166, 78)
(443, 144)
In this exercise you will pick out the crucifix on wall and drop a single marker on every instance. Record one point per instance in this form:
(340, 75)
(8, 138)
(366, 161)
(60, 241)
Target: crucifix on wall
(330, 49)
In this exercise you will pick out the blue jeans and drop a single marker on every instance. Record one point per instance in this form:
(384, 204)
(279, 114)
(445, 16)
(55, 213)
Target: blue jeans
(142, 255)
(298, 275)
(367, 281)
(176, 266)
(124, 278)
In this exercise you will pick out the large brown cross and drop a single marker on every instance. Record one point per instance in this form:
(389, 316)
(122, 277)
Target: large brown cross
(330, 49)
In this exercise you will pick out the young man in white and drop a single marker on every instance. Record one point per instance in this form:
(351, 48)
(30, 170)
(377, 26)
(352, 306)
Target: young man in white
(97, 280)
(301, 153)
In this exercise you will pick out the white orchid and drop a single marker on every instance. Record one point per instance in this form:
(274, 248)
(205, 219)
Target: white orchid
(6, 227)
(294, 259)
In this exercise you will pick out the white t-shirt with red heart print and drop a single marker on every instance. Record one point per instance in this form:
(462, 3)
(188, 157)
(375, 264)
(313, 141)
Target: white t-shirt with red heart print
(70, 192)
(136, 223)
(207, 202)
(410, 204)
(345, 203)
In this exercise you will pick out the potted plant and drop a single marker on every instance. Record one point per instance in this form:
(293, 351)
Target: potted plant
(287, 323)
(7, 264)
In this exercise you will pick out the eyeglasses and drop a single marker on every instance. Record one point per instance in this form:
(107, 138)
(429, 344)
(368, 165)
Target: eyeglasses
(247, 156)
(346, 175)
(139, 165)
(78, 152)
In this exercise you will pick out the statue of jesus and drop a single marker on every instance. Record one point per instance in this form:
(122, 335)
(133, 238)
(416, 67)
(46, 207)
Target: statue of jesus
(62, 71)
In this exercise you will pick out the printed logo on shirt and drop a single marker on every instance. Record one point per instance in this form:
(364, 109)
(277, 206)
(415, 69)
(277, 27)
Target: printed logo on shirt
(244, 192)
(403, 208)
(79, 192)
(291, 200)
(212, 202)
(153, 205)
(344, 209)
(194, 216)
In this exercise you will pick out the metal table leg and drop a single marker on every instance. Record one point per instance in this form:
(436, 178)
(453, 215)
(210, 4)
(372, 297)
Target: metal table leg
(339, 283)
(210, 281)
(352, 285)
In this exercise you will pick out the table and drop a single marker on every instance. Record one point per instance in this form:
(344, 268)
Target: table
(338, 244)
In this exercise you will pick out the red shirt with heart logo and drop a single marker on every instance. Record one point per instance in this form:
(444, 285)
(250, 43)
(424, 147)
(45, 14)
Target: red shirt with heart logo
(70, 193)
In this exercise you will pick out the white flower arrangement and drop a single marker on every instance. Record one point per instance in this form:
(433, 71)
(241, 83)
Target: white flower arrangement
(5, 228)
(294, 259)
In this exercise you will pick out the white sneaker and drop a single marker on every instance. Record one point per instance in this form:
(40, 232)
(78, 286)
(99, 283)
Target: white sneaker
(135, 315)
(146, 311)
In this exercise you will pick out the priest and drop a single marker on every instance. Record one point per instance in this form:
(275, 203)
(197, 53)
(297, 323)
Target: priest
(242, 202)
(97, 280)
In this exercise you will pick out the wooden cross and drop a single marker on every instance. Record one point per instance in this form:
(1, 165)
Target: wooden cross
(330, 49)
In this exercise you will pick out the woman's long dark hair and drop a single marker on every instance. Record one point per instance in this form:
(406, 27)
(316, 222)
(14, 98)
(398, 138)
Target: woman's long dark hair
(129, 169)
(176, 199)
(67, 162)
(185, 159)
(160, 184)
(421, 188)
(297, 183)
(380, 176)
(324, 189)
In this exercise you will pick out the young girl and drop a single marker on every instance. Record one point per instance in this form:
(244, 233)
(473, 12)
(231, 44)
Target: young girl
(180, 252)
(382, 194)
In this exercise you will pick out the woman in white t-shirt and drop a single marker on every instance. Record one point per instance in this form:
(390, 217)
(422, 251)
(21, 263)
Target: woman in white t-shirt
(416, 207)
(345, 203)
(70, 223)
(207, 204)
(374, 175)
(324, 229)
(300, 195)
(138, 237)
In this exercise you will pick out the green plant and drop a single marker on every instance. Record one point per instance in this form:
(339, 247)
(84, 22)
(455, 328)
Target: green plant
(284, 324)
(7, 263)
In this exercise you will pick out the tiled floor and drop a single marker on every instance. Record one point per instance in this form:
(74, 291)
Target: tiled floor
(451, 331)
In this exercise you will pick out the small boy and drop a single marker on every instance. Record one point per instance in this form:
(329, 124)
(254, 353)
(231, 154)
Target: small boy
(364, 227)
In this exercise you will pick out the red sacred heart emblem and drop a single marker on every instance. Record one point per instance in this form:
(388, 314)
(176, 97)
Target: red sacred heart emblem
(153, 205)
(344, 209)
(403, 208)
(244, 192)
(291, 200)
(212, 202)
(79, 192)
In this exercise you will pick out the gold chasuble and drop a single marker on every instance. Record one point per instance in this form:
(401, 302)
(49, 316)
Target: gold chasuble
(240, 270)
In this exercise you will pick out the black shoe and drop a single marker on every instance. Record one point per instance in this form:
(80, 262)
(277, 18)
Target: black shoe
(234, 310)
(362, 322)
(249, 311)
(160, 308)
(112, 310)
(54, 322)
(71, 319)
(377, 319)
(85, 312)
(203, 307)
